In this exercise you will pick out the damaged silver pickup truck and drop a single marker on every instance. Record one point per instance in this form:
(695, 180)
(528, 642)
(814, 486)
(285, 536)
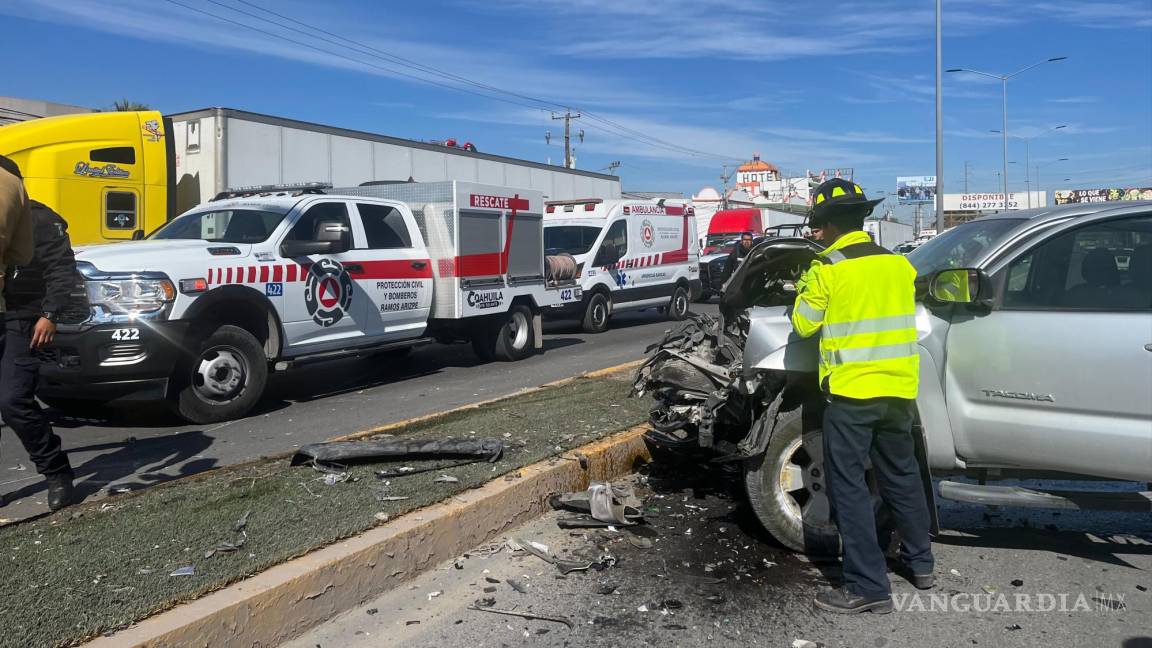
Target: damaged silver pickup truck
(1035, 340)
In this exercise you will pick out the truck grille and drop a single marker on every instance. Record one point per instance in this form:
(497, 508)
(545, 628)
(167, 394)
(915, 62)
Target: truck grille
(122, 354)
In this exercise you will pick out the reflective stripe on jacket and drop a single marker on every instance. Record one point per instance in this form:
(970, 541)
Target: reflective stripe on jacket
(862, 299)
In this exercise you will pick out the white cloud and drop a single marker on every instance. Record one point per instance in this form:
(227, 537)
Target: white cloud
(1074, 100)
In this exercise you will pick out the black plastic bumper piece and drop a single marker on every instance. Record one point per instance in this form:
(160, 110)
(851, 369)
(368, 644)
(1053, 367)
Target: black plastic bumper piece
(113, 362)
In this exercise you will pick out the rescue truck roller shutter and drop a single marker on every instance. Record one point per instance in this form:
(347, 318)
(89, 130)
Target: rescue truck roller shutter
(631, 255)
(203, 309)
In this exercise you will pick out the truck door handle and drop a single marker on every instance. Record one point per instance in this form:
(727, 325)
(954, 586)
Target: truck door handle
(354, 268)
(419, 265)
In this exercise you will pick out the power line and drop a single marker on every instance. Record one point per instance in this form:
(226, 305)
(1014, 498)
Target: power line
(443, 73)
(390, 70)
(611, 127)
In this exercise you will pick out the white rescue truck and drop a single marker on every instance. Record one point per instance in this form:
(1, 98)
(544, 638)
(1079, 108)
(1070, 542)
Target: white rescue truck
(630, 254)
(266, 279)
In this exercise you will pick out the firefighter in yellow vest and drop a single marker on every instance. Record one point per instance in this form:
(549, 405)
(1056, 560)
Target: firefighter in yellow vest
(860, 299)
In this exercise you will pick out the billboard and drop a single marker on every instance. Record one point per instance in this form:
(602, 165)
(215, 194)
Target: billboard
(916, 189)
(1064, 197)
(993, 201)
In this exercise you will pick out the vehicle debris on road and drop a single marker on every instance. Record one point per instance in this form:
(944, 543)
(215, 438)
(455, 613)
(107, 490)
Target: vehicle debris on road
(522, 615)
(391, 449)
(614, 504)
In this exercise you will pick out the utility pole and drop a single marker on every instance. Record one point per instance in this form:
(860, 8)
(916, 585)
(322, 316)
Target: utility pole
(569, 163)
(724, 178)
(612, 166)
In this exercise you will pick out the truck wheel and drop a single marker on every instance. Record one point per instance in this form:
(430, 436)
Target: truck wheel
(678, 307)
(596, 313)
(225, 379)
(513, 339)
(787, 491)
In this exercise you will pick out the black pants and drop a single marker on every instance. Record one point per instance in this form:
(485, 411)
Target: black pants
(882, 429)
(19, 373)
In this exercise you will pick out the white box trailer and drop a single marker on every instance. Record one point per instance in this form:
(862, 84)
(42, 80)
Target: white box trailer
(218, 149)
(888, 234)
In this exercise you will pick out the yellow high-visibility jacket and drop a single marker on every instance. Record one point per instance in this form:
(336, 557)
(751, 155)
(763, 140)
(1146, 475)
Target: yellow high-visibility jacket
(862, 300)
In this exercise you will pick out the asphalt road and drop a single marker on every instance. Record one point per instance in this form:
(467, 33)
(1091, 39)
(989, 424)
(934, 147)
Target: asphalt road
(701, 572)
(132, 449)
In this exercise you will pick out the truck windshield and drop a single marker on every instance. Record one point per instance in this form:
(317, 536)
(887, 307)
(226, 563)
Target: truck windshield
(223, 226)
(573, 239)
(960, 246)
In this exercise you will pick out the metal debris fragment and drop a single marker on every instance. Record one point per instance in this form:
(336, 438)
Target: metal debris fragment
(523, 615)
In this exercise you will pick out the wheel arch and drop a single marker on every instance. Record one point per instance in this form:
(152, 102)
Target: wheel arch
(239, 306)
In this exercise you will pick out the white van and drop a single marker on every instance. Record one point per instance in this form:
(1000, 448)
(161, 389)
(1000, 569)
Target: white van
(631, 255)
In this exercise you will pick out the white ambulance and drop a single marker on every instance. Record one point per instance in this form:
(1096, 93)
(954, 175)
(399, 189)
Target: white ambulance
(266, 279)
(631, 255)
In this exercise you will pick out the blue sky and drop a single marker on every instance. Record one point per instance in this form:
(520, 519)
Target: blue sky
(807, 85)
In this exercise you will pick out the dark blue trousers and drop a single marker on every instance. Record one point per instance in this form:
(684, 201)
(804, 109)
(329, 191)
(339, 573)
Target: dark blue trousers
(879, 428)
(19, 373)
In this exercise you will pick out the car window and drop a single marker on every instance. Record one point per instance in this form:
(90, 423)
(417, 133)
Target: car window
(961, 246)
(1102, 266)
(384, 227)
(573, 239)
(305, 228)
(615, 244)
(223, 226)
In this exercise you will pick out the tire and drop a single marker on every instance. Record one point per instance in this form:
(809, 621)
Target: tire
(514, 338)
(596, 313)
(678, 306)
(786, 489)
(226, 378)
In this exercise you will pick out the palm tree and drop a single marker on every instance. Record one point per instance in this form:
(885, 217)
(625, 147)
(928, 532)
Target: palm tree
(127, 105)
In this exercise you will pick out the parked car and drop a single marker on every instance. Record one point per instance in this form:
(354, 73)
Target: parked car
(1035, 342)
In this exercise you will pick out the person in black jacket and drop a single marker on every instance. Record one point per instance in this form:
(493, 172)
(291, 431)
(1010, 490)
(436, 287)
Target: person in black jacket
(738, 253)
(36, 294)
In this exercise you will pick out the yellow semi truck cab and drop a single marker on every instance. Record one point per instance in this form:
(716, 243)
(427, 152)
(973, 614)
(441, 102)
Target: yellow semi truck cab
(110, 175)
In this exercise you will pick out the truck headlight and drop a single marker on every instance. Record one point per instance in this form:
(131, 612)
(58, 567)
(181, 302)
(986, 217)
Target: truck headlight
(131, 296)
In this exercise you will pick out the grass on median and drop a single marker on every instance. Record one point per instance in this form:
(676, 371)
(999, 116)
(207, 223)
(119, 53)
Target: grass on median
(88, 570)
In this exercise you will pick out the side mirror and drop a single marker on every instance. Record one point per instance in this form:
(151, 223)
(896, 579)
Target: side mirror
(607, 256)
(293, 249)
(332, 237)
(336, 233)
(957, 286)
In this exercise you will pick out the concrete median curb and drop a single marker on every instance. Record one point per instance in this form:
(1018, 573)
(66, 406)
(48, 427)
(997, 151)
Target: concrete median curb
(396, 425)
(284, 601)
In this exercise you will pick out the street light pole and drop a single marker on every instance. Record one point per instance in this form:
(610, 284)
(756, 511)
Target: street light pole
(1027, 158)
(1004, 96)
(1039, 187)
(939, 119)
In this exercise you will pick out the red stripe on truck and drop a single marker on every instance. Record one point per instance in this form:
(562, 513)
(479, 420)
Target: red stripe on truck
(401, 269)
